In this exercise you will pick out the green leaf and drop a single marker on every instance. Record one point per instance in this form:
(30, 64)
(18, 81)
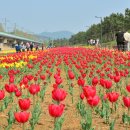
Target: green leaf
(112, 124)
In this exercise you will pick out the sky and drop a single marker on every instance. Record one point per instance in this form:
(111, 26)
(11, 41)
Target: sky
(36, 16)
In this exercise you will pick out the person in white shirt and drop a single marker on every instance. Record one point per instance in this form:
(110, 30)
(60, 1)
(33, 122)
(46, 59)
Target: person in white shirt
(127, 40)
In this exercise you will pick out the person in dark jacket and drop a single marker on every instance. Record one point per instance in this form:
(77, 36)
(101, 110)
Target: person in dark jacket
(120, 41)
(18, 48)
(31, 46)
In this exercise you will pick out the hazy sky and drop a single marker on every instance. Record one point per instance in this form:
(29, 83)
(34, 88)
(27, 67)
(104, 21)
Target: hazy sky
(56, 15)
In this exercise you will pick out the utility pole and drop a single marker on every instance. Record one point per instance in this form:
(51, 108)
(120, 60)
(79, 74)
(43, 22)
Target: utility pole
(15, 28)
(5, 23)
(101, 27)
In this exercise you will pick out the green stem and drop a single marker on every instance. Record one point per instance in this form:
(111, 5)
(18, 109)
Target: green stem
(23, 126)
(33, 101)
(55, 121)
(112, 108)
(128, 111)
(72, 97)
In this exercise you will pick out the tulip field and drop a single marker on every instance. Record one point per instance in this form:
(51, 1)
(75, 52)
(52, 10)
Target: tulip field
(66, 88)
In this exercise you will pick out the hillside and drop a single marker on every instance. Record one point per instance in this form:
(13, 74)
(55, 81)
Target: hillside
(57, 35)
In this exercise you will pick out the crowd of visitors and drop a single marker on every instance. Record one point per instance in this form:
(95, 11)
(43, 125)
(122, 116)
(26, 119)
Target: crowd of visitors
(28, 46)
(94, 42)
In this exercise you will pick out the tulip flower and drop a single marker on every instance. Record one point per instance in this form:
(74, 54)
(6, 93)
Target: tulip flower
(81, 81)
(71, 74)
(11, 79)
(42, 77)
(30, 66)
(55, 86)
(22, 117)
(89, 91)
(108, 84)
(102, 82)
(126, 101)
(2, 94)
(94, 81)
(18, 93)
(128, 88)
(24, 104)
(58, 81)
(82, 96)
(113, 96)
(93, 101)
(29, 77)
(10, 88)
(1, 76)
(59, 94)
(34, 89)
(25, 80)
(56, 110)
(116, 79)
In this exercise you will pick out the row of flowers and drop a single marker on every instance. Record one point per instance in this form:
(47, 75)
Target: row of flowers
(101, 74)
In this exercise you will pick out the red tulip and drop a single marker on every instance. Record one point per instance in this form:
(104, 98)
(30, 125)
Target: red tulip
(94, 81)
(10, 88)
(126, 101)
(89, 91)
(56, 110)
(82, 96)
(102, 82)
(93, 101)
(42, 77)
(25, 80)
(81, 81)
(1, 76)
(116, 79)
(59, 94)
(11, 79)
(29, 77)
(30, 66)
(128, 88)
(71, 74)
(35, 79)
(55, 85)
(58, 81)
(2, 94)
(113, 96)
(108, 84)
(57, 75)
(34, 89)
(22, 117)
(24, 104)
(105, 97)
(18, 93)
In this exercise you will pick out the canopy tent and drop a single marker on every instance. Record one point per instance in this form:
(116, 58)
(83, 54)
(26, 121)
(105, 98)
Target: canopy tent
(3, 34)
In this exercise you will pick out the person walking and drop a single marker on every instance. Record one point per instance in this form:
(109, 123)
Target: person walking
(18, 48)
(23, 47)
(27, 46)
(31, 46)
(120, 41)
(127, 40)
(43, 46)
(36, 47)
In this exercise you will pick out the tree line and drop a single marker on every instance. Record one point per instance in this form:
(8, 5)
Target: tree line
(109, 24)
